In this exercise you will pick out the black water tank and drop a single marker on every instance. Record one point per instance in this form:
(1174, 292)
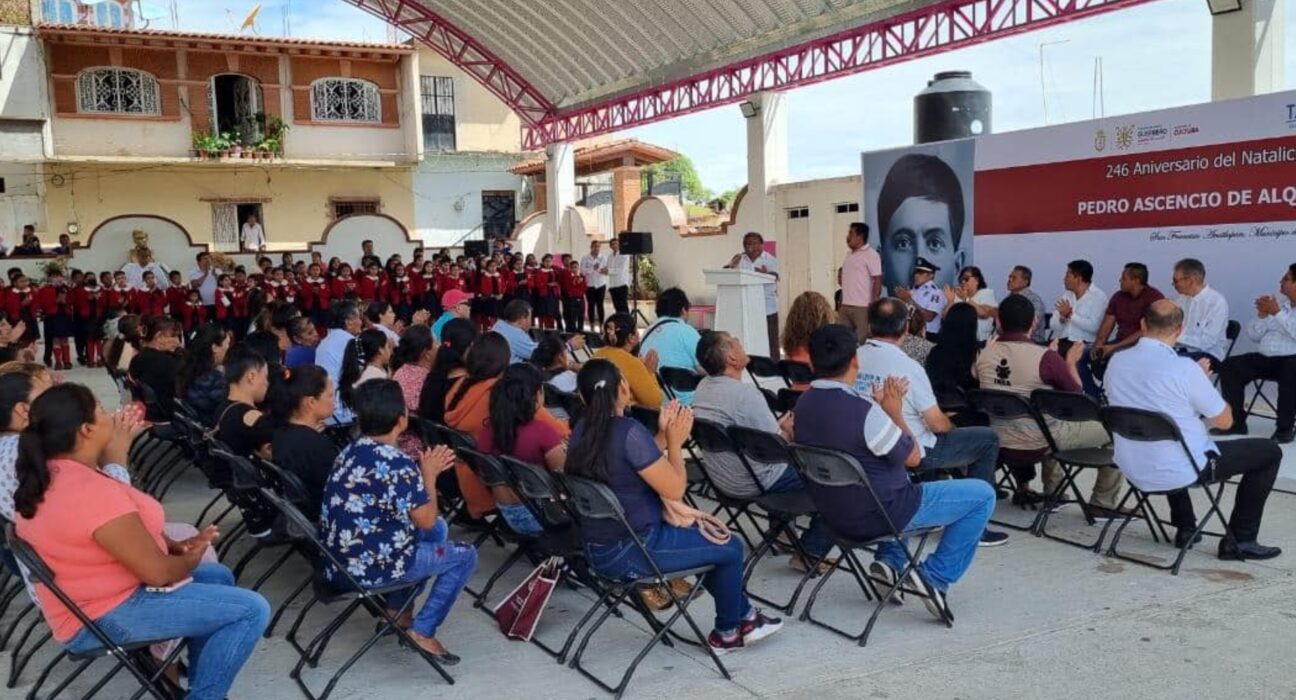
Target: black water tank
(954, 106)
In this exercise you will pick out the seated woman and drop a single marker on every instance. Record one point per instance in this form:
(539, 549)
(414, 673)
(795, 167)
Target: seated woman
(20, 384)
(456, 337)
(514, 429)
(949, 364)
(120, 353)
(610, 448)
(104, 542)
(621, 338)
(810, 311)
(300, 405)
(366, 357)
(915, 343)
(973, 291)
(382, 316)
(240, 424)
(379, 516)
(555, 363)
(157, 364)
(201, 382)
(304, 337)
(671, 338)
(468, 409)
(410, 364)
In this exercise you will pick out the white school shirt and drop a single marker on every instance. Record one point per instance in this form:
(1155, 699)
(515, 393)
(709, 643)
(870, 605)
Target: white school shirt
(591, 266)
(1087, 314)
(929, 297)
(770, 263)
(618, 271)
(1205, 322)
(1275, 335)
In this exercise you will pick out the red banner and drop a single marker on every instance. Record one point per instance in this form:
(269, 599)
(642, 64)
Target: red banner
(1232, 183)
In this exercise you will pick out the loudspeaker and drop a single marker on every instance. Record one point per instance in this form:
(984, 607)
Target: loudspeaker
(474, 248)
(635, 242)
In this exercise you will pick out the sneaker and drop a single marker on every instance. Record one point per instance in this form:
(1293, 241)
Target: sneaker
(992, 538)
(723, 645)
(759, 627)
(880, 571)
(933, 598)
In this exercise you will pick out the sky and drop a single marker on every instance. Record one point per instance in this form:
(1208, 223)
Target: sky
(1153, 56)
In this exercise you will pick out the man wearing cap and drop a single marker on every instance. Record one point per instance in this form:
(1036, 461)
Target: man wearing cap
(457, 304)
(925, 296)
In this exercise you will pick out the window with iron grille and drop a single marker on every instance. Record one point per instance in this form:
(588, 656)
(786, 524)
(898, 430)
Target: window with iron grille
(349, 207)
(116, 91)
(438, 112)
(345, 100)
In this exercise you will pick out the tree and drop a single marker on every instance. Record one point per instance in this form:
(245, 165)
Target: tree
(728, 196)
(680, 168)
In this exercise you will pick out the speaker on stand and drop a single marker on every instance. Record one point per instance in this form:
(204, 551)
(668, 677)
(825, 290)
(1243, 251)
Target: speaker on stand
(634, 244)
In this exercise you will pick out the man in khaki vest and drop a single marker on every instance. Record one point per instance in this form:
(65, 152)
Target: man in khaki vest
(1015, 364)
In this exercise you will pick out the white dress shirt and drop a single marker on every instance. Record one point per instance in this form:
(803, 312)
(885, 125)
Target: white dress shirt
(770, 263)
(592, 266)
(206, 292)
(1151, 376)
(135, 274)
(1276, 335)
(618, 271)
(253, 237)
(1205, 322)
(1087, 314)
(328, 355)
(985, 326)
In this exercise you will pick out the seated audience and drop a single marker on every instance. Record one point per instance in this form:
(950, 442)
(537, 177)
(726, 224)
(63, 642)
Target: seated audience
(200, 380)
(943, 447)
(20, 384)
(1124, 313)
(120, 353)
(1206, 314)
(833, 414)
(304, 337)
(810, 311)
(456, 337)
(515, 429)
(346, 324)
(457, 304)
(621, 340)
(1079, 313)
(1016, 364)
(1019, 282)
(1151, 376)
(553, 360)
(382, 316)
(514, 325)
(724, 398)
(1273, 330)
(157, 364)
(915, 343)
(240, 424)
(379, 517)
(611, 448)
(973, 291)
(104, 542)
(300, 405)
(949, 364)
(366, 358)
(410, 364)
(671, 337)
(928, 300)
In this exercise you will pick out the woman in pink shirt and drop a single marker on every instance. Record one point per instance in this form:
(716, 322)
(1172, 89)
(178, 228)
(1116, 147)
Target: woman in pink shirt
(104, 542)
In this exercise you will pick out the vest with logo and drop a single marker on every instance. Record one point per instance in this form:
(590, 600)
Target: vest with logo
(1014, 367)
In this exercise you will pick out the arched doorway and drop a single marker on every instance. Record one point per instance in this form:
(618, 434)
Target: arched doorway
(236, 107)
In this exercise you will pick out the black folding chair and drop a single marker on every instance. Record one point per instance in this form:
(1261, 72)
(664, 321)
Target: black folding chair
(1140, 425)
(795, 372)
(761, 367)
(342, 434)
(787, 400)
(567, 402)
(835, 469)
(134, 658)
(594, 501)
(781, 509)
(678, 381)
(698, 485)
(347, 590)
(1006, 406)
(491, 473)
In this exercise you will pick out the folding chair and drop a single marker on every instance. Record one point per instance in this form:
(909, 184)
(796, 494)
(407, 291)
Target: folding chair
(787, 399)
(835, 469)
(761, 367)
(698, 484)
(594, 501)
(677, 381)
(795, 373)
(782, 509)
(134, 657)
(1069, 407)
(1151, 426)
(461, 442)
(492, 475)
(349, 591)
(567, 402)
(1007, 406)
(342, 434)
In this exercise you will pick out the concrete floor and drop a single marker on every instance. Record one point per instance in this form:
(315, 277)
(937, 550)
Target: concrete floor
(1035, 619)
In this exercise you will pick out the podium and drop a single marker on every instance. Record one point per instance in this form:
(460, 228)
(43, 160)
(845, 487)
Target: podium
(740, 306)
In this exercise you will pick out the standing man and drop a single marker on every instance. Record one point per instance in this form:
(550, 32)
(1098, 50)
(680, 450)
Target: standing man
(142, 263)
(926, 298)
(617, 270)
(754, 258)
(595, 267)
(1273, 330)
(1124, 315)
(861, 280)
(1151, 376)
(252, 235)
(1019, 282)
(1080, 312)
(345, 323)
(367, 255)
(1206, 314)
(203, 278)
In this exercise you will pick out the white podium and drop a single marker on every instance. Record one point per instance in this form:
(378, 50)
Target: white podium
(740, 306)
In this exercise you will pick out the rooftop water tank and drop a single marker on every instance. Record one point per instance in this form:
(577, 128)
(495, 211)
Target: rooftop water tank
(953, 106)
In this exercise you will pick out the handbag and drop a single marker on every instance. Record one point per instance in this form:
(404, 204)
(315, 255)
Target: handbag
(519, 613)
(680, 514)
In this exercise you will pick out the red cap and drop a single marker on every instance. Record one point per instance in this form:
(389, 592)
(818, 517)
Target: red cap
(453, 298)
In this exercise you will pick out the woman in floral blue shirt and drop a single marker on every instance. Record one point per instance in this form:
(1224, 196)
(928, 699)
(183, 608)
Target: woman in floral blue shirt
(379, 517)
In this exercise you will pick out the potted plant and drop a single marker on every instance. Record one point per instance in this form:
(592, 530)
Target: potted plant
(200, 149)
(275, 131)
(226, 143)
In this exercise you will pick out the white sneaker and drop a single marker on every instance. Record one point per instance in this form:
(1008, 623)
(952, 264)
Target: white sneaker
(932, 597)
(881, 571)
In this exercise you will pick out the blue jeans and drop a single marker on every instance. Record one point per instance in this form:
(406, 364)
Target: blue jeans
(962, 506)
(677, 549)
(451, 563)
(815, 539)
(975, 448)
(519, 518)
(1085, 369)
(221, 622)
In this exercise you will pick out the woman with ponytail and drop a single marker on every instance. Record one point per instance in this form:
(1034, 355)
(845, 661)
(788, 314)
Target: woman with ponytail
(612, 449)
(366, 358)
(104, 543)
(620, 340)
(301, 404)
(456, 337)
(514, 429)
(20, 384)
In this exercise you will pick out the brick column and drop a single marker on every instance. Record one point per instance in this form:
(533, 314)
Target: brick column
(626, 190)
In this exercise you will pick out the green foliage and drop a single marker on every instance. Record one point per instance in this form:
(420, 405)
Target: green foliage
(649, 285)
(728, 196)
(681, 168)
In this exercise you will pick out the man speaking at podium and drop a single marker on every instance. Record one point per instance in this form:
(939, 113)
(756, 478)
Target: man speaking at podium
(754, 258)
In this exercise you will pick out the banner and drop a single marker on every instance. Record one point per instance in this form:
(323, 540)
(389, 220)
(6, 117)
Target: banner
(1213, 181)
